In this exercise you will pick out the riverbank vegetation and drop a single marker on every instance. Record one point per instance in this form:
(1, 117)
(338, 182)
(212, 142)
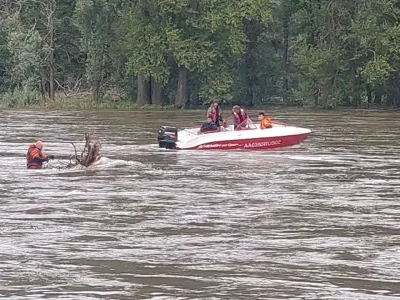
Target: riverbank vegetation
(180, 53)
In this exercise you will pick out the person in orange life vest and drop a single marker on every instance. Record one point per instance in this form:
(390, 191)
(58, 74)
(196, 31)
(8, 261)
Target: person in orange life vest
(265, 120)
(215, 112)
(35, 157)
(239, 117)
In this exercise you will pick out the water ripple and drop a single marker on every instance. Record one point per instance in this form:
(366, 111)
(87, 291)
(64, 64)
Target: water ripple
(316, 221)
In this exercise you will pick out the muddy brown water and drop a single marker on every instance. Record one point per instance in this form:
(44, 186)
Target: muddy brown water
(316, 221)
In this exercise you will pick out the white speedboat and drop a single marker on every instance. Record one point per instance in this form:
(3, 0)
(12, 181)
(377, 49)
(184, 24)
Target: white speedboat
(249, 137)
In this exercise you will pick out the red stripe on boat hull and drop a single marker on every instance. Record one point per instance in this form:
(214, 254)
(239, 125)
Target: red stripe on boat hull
(253, 144)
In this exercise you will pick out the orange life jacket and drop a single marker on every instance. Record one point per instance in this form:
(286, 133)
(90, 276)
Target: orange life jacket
(266, 122)
(35, 158)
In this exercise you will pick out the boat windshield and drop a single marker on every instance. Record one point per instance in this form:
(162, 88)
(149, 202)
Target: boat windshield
(247, 124)
(251, 124)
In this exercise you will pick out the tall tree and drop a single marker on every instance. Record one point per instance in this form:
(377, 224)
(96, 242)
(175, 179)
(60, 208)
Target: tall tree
(98, 22)
(201, 37)
(145, 45)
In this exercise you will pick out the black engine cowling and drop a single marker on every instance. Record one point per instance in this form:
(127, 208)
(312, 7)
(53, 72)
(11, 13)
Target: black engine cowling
(167, 137)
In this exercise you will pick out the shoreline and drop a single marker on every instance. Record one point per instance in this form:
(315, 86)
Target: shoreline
(124, 106)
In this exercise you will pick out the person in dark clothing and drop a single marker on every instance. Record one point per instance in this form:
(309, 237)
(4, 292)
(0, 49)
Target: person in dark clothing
(209, 125)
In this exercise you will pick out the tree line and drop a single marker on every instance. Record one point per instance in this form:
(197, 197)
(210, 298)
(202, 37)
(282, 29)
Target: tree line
(174, 52)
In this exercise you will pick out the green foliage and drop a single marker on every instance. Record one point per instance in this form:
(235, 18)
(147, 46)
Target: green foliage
(4, 58)
(25, 54)
(376, 71)
(322, 53)
(98, 24)
(146, 49)
(20, 97)
(70, 58)
(204, 37)
(216, 85)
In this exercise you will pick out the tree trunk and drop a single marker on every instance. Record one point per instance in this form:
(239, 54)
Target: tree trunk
(96, 91)
(181, 92)
(326, 94)
(51, 29)
(156, 93)
(143, 91)
(252, 33)
(193, 90)
(396, 91)
(43, 89)
(250, 82)
(369, 94)
(354, 85)
(132, 89)
(391, 92)
(286, 56)
(389, 98)
(396, 99)
(378, 97)
(312, 32)
(316, 96)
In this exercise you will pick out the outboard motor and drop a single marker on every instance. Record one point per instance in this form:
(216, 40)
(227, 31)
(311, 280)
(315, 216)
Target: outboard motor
(167, 137)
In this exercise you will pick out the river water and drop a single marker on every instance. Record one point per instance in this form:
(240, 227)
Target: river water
(316, 221)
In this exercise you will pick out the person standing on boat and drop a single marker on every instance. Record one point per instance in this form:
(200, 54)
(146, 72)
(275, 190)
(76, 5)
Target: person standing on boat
(35, 157)
(239, 117)
(215, 112)
(209, 125)
(265, 120)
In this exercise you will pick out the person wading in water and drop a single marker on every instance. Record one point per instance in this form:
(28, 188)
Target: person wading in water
(35, 157)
